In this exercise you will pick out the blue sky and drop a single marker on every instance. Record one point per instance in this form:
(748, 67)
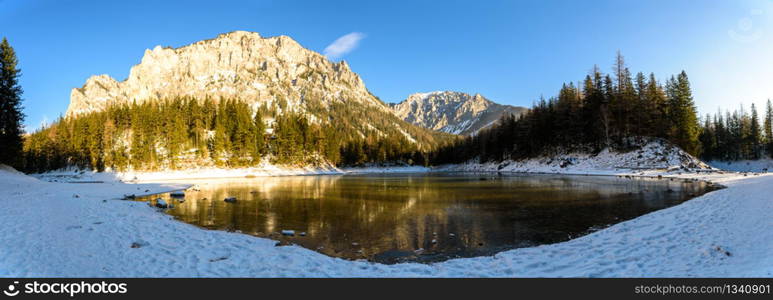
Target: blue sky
(509, 51)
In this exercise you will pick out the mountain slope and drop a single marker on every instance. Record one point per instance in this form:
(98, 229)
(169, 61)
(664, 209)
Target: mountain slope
(239, 64)
(452, 112)
(275, 72)
(235, 100)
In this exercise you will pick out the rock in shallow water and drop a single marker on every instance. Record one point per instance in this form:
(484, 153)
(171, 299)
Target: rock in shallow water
(161, 203)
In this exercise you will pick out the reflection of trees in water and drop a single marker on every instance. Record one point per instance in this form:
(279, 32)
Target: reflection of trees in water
(383, 213)
(377, 213)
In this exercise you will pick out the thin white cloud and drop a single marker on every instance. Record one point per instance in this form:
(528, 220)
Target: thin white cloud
(343, 45)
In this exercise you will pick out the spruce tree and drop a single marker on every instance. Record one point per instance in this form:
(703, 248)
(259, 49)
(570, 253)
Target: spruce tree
(642, 123)
(769, 128)
(683, 114)
(657, 99)
(259, 128)
(11, 116)
(755, 135)
(708, 138)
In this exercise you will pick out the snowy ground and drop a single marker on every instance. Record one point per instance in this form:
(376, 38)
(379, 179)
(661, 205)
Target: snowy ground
(77, 175)
(761, 165)
(654, 156)
(55, 229)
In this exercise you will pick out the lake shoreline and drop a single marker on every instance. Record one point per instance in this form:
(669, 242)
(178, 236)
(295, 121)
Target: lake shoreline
(457, 214)
(216, 173)
(85, 176)
(652, 159)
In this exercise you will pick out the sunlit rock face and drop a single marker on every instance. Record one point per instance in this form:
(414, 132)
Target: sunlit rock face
(452, 112)
(272, 71)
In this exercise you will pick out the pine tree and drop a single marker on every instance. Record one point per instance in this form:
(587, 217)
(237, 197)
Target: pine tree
(221, 142)
(708, 138)
(686, 128)
(260, 140)
(642, 109)
(656, 97)
(769, 128)
(622, 100)
(595, 110)
(608, 94)
(754, 135)
(11, 116)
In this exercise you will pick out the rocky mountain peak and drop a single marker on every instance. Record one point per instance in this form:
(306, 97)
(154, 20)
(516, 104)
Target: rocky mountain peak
(452, 112)
(239, 64)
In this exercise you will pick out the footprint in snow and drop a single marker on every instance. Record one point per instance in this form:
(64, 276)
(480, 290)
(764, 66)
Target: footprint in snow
(139, 244)
(723, 251)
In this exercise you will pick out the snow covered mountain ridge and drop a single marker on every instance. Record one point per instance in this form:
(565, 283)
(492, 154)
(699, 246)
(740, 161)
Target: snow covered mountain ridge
(452, 112)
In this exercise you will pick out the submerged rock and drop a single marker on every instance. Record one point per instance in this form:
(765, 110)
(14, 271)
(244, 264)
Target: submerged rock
(161, 203)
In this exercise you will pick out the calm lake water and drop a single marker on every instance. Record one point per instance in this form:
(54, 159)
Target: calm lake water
(423, 217)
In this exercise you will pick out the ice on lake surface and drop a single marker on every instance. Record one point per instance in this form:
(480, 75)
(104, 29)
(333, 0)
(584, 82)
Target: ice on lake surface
(422, 217)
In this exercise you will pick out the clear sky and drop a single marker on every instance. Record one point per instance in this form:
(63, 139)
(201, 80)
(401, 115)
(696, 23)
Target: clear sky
(509, 51)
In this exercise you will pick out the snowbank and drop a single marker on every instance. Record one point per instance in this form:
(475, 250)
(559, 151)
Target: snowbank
(77, 175)
(656, 155)
(761, 165)
(82, 230)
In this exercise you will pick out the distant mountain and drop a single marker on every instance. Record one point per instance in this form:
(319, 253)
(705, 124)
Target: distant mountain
(452, 112)
(274, 72)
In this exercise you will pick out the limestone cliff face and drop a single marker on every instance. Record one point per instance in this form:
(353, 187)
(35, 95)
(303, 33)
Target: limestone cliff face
(452, 112)
(272, 71)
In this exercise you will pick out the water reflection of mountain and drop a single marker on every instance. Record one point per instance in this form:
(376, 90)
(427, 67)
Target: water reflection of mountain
(385, 217)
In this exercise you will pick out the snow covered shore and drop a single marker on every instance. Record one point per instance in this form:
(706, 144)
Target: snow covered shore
(70, 175)
(83, 230)
(654, 157)
(760, 165)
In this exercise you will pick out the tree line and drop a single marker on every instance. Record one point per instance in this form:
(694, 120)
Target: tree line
(737, 135)
(182, 132)
(606, 110)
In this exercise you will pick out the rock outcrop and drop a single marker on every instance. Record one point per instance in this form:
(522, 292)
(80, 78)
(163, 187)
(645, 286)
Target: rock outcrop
(240, 64)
